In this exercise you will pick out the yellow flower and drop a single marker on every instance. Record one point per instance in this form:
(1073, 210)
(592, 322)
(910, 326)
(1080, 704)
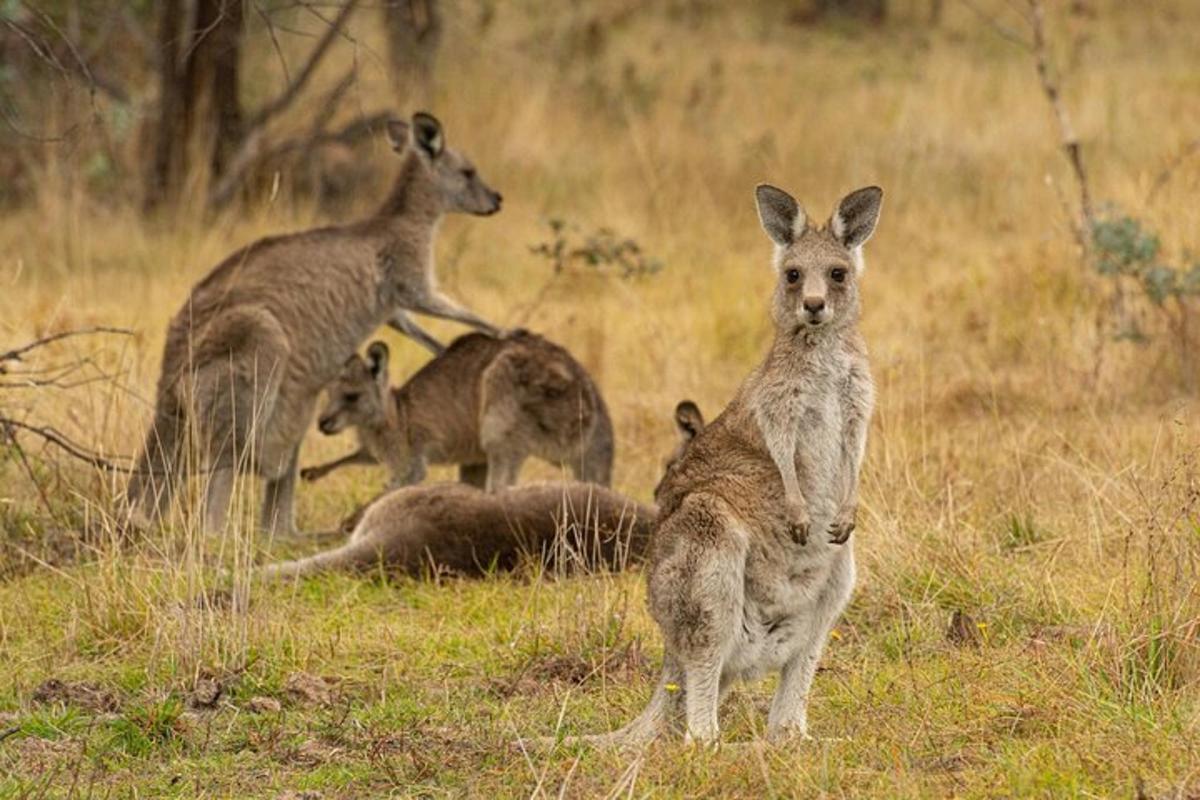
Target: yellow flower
(835, 633)
(672, 687)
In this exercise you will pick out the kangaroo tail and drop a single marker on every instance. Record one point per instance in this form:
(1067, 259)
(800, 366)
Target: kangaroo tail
(353, 555)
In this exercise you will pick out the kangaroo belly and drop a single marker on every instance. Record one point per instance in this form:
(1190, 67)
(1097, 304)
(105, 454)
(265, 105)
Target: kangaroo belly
(787, 602)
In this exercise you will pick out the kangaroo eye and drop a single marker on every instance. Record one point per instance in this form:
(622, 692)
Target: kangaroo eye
(838, 275)
(352, 398)
(469, 174)
(792, 275)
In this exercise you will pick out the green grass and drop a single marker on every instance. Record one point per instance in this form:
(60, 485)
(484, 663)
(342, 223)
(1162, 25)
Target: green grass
(429, 687)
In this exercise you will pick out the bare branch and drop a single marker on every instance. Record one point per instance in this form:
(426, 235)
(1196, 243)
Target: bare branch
(1068, 140)
(254, 153)
(1190, 149)
(1002, 30)
(55, 437)
(293, 89)
(17, 353)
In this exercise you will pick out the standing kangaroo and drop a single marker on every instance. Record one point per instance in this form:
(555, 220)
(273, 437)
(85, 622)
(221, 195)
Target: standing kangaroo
(487, 404)
(269, 327)
(750, 561)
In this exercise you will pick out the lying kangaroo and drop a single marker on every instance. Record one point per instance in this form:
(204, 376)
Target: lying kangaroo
(457, 528)
(486, 404)
(750, 564)
(269, 327)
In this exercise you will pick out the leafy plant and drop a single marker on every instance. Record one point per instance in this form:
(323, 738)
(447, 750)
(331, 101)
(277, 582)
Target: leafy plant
(602, 250)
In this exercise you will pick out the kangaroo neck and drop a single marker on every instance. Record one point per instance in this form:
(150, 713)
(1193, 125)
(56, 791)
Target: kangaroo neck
(414, 202)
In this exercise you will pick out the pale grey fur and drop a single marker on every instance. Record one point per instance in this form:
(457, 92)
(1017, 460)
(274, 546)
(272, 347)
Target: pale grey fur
(737, 584)
(268, 328)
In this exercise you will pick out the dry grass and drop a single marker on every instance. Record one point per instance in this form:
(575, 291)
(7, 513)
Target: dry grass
(1014, 474)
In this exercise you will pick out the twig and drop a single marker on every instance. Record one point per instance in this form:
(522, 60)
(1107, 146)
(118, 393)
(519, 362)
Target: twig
(293, 89)
(1190, 149)
(55, 437)
(1002, 30)
(1068, 139)
(17, 353)
(224, 189)
(7, 732)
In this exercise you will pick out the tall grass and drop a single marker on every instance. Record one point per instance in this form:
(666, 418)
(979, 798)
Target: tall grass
(1012, 474)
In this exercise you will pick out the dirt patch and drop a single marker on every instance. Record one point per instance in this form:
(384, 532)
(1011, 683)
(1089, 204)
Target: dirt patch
(303, 688)
(87, 696)
(624, 664)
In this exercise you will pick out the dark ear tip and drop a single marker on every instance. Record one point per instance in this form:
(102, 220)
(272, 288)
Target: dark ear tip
(378, 350)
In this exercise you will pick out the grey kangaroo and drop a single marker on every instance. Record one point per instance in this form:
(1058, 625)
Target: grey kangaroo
(750, 562)
(269, 327)
(460, 529)
(487, 404)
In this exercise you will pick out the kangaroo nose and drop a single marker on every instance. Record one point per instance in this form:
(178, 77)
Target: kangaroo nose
(814, 305)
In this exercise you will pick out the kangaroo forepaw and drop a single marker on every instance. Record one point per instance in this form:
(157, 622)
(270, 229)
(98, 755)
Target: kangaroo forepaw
(842, 527)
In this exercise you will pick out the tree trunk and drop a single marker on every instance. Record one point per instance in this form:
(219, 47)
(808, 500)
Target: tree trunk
(199, 108)
(214, 78)
(166, 171)
(414, 33)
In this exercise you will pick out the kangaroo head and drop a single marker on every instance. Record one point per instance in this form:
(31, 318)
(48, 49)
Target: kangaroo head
(688, 422)
(359, 396)
(455, 182)
(818, 266)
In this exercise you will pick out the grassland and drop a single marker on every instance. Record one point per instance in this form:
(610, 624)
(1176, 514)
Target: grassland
(1024, 469)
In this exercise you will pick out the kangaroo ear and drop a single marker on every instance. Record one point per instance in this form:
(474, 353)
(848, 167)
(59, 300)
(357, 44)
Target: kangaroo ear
(782, 217)
(689, 420)
(397, 133)
(854, 219)
(427, 133)
(377, 359)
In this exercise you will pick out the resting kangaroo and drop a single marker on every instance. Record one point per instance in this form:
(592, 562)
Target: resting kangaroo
(750, 562)
(269, 327)
(461, 529)
(486, 404)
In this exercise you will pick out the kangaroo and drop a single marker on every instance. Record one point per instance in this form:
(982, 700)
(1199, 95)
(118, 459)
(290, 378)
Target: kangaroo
(269, 327)
(750, 562)
(460, 529)
(487, 404)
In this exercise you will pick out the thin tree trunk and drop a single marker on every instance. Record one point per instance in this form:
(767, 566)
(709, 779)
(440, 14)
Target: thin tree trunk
(167, 168)
(414, 33)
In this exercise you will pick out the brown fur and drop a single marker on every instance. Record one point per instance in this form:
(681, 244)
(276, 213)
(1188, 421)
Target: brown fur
(455, 528)
(485, 401)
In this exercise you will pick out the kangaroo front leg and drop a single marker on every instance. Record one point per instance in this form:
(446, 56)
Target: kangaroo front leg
(438, 305)
(854, 449)
(405, 324)
(360, 456)
(781, 444)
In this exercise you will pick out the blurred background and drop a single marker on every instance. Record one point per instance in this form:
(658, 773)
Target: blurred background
(1030, 294)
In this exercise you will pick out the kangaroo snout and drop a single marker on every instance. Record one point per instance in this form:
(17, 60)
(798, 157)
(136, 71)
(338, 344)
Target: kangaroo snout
(814, 305)
(497, 200)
